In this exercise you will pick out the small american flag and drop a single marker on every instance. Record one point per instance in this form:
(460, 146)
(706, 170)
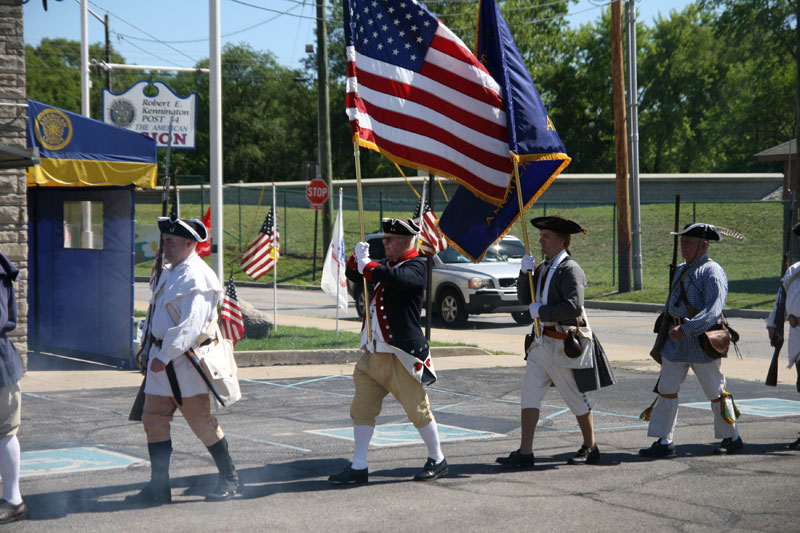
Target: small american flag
(261, 256)
(231, 315)
(431, 241)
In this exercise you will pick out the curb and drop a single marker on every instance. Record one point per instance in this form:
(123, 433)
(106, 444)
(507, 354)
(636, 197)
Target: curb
(589, 304)
(315, 357)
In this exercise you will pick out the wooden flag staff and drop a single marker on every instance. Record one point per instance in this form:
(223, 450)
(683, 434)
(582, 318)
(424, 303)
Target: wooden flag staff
(525, 239)
(357, 155)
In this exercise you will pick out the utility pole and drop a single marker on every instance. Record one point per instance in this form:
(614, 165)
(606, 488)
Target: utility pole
(324, 128)
(108, 54)
(85, 81)
(621, 149)
(633, 129)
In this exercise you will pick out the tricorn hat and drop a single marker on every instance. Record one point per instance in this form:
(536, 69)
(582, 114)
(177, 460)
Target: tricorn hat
(191, 229)
(400, 226)
(701, 231)
(557, 224)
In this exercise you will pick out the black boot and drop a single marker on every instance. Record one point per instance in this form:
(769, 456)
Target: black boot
(228, 483)
(157, 491)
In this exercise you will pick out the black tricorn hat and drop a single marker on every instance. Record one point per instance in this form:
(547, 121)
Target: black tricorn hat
(558, 224)
(701, 231)
(796, 229)
(191, 229)
(400, 226)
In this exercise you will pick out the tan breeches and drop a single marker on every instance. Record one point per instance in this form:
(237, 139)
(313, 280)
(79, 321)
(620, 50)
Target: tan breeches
(196, 410)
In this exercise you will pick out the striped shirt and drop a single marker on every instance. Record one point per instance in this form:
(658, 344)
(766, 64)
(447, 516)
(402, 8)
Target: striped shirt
(706, 289)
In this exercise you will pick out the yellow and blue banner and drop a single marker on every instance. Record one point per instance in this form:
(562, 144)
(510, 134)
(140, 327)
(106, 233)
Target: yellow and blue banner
(77, 151)
(469, 223)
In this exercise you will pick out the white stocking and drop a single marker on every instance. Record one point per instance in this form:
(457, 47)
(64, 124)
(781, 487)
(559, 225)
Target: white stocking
(9, 469)
(361, 437)
(430, 434)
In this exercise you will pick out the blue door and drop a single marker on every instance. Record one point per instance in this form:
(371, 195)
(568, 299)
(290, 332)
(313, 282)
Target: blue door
(80, 293)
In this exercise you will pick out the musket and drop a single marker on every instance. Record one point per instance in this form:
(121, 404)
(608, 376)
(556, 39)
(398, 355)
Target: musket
(780, 316)
(664, 322)
(158, 263)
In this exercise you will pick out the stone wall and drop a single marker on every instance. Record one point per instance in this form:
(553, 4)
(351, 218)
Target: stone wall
(13, 203)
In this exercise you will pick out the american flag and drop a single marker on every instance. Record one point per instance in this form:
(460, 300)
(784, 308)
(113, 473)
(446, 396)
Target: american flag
(231, 315)
(431, 241)
(261, 256)
(418, 95)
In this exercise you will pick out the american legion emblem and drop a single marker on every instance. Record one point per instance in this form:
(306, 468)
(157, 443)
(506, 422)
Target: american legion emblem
(53, 129)
(122, 112)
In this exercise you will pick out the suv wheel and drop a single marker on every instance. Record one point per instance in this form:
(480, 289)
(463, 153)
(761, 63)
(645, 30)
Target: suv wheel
(452, 309)
(522, 317)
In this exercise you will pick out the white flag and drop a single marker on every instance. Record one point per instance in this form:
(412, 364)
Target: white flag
(334, 282)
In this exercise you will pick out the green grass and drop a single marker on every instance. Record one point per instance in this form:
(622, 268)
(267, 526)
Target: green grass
(297, 338)
(752, 266)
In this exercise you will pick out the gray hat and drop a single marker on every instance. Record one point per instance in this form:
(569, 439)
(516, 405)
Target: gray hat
(701, 231)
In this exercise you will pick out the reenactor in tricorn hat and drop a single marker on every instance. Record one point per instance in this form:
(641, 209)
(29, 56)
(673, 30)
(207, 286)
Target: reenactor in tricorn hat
(789, 292)
(397, 358)
(699, 290)
(559, 285)
(184, 304)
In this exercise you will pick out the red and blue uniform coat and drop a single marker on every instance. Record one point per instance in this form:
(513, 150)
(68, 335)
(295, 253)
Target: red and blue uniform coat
(398, 289)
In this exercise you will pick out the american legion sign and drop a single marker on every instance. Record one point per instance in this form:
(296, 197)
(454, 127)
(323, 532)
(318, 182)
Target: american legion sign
(150, 115)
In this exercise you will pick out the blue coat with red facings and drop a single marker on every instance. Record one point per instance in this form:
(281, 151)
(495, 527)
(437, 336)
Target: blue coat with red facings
(398, 299)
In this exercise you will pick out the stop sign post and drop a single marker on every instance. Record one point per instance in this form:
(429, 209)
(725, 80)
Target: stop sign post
(317, 193)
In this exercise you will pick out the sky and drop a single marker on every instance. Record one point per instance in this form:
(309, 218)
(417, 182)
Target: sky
(175, 32)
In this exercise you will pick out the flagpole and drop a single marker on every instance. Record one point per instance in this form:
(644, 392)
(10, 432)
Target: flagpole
(338, 266)
(525, 238)
(357, 156)
(274, 260)
(428, 264)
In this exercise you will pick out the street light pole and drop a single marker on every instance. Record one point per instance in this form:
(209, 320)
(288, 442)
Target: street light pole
(323, 105)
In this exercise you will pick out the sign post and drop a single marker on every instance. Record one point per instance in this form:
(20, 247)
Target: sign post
(317, 193)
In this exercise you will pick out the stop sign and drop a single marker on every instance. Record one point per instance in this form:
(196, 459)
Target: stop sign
(317, 193)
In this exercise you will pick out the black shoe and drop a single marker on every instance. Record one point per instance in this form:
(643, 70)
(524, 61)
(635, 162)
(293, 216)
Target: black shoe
(729, 446)
(432, 471)
(658, 450)
(11, 513)
(585, 456)
(348, 475)
(226, 490)
(520, 460)
(795, 445)
(151, 495)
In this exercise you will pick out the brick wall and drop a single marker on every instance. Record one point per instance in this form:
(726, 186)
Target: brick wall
(13, 204)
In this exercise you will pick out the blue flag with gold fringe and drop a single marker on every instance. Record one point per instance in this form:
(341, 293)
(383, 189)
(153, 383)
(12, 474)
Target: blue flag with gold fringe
(469, 223)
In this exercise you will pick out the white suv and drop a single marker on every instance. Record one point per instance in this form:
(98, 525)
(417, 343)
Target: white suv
(461, 287)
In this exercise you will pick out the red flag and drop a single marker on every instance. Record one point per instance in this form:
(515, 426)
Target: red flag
(263, 254)
(419, 96)
(231, 315)
(204, 248)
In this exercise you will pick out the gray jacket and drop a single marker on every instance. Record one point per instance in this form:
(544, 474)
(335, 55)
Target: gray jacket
(565, 296)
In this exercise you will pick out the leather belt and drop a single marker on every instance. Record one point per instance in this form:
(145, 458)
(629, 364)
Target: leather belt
(794, 321)
(156, 341)
(553, 333)
(678, 320)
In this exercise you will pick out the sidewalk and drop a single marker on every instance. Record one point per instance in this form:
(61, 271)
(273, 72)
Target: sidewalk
(621, 357)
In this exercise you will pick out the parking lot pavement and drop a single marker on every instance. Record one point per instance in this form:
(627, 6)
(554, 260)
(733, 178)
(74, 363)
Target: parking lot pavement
(81, 457)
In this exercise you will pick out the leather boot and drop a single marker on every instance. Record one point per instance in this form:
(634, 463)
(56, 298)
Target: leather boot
(228, 483)
(157, 491)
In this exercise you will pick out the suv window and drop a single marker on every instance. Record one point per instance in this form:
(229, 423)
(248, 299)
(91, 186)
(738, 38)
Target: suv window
(503, 251)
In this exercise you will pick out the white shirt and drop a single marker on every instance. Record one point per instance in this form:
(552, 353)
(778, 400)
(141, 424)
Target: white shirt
(193, 290)
(792, 308)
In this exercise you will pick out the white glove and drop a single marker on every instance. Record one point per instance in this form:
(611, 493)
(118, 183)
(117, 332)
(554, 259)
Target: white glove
(363, 262)
(362, 250)
(527, 264)
(534, 307)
